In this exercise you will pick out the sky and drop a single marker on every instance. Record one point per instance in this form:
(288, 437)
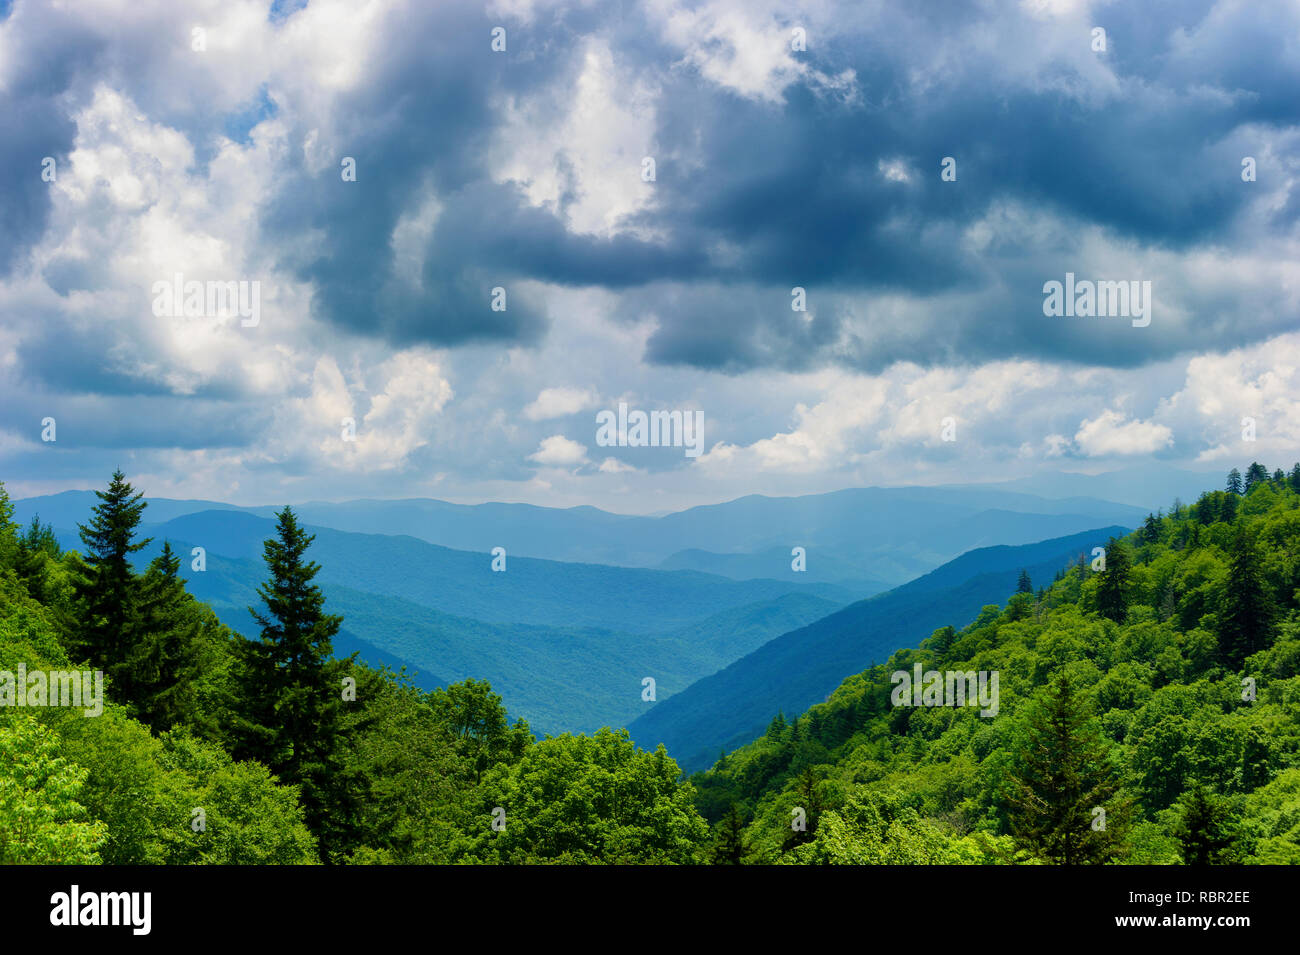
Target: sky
(509, 146)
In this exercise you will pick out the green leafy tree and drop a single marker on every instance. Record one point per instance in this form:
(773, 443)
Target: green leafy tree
(477, 720)
(42, 821)
(879, 829)
(581, 799)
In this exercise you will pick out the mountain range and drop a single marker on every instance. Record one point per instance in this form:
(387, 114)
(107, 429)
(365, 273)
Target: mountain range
(591, 603)
(792, 672)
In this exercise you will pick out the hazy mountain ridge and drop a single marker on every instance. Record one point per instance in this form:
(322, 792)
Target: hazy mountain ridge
(798, 669)
(867, 538)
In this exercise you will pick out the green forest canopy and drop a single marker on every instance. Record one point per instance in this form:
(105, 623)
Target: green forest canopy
(1147, 714)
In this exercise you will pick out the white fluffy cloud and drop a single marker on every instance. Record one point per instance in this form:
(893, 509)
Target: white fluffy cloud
(152, 186)
(559, 451)
(558, 402)
(1110, 433)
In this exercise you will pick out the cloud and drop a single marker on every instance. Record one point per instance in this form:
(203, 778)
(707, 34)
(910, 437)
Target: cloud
(615, 466)
(1111, 433)
(776, 167)
(558, 402)
(559, 451)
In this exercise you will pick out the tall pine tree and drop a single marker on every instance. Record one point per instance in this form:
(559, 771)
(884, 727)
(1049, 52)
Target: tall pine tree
(1115, 582)
(289, 718)
(1059, 780)
(730, 847)
(108, 588)
(1207, 830)
(167, 657)
(1246, 612)
(1256, 474)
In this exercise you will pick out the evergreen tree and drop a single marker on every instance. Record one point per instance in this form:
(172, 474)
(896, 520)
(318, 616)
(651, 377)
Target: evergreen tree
(1061, 776)
(1207, 508)
(1024, 585)
(290, 716)
(1234, 482)
(776, 729)
(1294, 480)
(8, 530)
(730, 847)
(942, 639)
(108, 588)
(37, 544)
(1168, 603)
(1115, 583)
(1151, 529)
(1256, 474)
(1246, 613)
(810, 802)
(1279, 479)
(166, 659)
(1207, 830)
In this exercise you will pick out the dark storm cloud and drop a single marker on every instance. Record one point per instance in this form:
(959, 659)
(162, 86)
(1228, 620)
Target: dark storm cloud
(755, 196)
(33, 125)
(795, 191)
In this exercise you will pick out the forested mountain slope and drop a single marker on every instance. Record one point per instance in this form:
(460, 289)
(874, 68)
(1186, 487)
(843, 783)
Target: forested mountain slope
(797, 669)
(1148, 713)
(1144, 710)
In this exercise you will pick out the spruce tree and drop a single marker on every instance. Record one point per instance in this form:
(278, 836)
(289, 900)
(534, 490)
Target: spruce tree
(1207, 830)
(36, 545)
(1115, 583)
(729, 847)
(811, 804)
(1246, 613)
(1151, 529)
(1256, 474)
(8, 530)
(1060, 777)
(108, 588)
(1024, 585)
(1294, 479)
(166, 661)
(1234, 482)
(290, 716)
